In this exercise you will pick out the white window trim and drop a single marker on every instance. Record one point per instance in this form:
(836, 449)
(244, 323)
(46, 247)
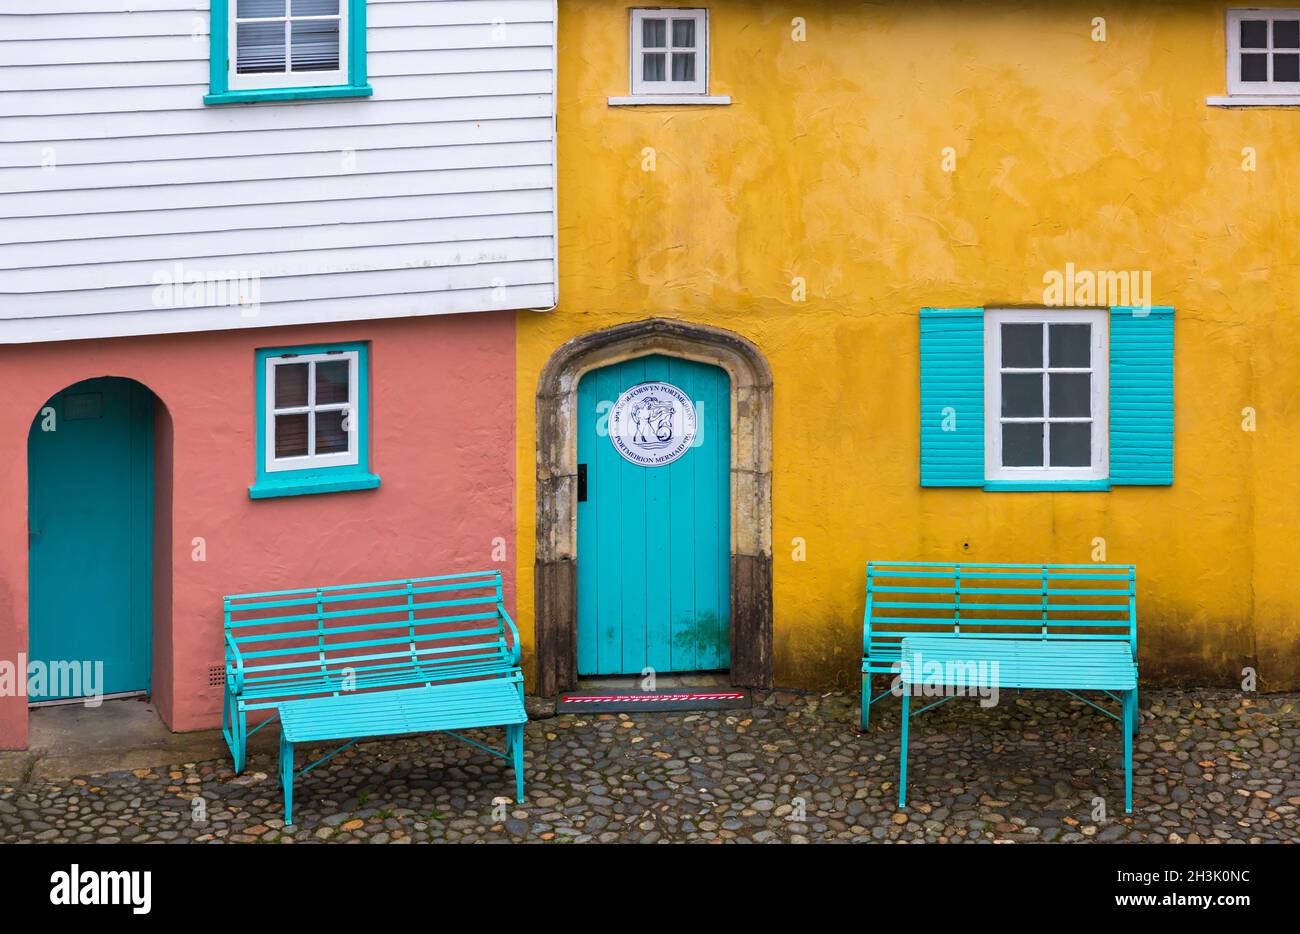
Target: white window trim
(668, 91)
(1100, 395)
(287, 79)
(1253, 93)
(346, 458)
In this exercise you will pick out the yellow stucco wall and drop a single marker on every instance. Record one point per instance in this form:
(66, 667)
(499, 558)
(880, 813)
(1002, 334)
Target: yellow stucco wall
(827, 166)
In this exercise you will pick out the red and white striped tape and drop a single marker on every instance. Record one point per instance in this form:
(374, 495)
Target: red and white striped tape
(647, 698)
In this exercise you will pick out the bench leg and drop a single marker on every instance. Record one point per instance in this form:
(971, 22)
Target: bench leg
(515, 740)
(866, 700)
(286, 777)
(1130, 721)
(234, 726)
(902, 750)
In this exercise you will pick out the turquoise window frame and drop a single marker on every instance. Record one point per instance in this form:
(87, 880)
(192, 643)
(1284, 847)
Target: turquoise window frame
(270, 484)
(219, 64)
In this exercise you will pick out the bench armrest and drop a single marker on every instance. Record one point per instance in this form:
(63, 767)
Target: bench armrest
(234, 666)
(514, 633)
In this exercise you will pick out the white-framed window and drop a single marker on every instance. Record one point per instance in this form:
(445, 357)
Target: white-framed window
(310, 402)
(1046, 394)
(669, 51)
(287, 44)
(1263, 52)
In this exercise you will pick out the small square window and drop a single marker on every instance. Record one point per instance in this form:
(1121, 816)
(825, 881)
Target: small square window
(1046, 379)
(287, 50)
(312, 416)
(669, 52)
(1263, 53)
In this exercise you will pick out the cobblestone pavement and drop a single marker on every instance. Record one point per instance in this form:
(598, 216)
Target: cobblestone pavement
(1210, 767)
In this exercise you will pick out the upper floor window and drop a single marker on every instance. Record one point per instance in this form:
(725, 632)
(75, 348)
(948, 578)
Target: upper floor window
(668, 57)
(670, 51)
(287, 50)
(1264, 52)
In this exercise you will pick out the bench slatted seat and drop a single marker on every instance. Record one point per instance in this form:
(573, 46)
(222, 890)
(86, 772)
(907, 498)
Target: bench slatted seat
(325, 648)
(981, 626)
(460, 705)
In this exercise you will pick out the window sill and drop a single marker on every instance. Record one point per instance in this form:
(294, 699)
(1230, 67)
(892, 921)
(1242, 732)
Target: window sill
(671, 100)
(1044, 486)
(301, 486)
(1278, 100)
(288, 94)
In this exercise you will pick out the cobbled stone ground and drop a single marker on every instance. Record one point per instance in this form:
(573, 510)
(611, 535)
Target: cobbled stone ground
(1209, 767)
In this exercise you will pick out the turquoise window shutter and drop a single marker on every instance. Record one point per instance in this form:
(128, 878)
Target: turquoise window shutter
(952, 397)
(1141, 396)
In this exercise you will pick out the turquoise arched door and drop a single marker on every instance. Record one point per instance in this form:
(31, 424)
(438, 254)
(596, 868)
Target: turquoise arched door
(654, 450)
(90, 537)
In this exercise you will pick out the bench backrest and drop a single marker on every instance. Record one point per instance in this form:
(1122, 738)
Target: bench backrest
(1080, 602)
(380, 634)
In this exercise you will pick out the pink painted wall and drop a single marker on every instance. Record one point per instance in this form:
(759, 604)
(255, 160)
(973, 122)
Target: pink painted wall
(442, 422)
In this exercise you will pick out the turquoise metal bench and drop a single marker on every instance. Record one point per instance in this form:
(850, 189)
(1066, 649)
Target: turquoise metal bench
(461, 705)
(358, 639)
(1006, 626)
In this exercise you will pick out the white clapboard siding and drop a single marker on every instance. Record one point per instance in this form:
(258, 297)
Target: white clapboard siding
(73, 227)
(436, 195)
(283, 288)
(202, 146)
(223, 243)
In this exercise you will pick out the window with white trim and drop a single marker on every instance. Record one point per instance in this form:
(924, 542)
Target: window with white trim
(1263, 52)
(1046, 391)
(287, 43)
(310, 401)
(669, 52)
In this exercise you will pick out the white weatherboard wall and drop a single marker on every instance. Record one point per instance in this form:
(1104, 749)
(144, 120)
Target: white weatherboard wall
(436, 195)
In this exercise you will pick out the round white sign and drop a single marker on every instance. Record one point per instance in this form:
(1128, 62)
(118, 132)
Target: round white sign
(652, 424)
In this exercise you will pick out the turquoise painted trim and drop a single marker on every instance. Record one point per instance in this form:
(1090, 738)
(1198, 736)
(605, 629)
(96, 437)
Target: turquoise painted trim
(356, 476)
(952, 397)
(218, 48)
(1142, 396)
(288, 94)
(219, 64)
(307, 485)
(1044, 486)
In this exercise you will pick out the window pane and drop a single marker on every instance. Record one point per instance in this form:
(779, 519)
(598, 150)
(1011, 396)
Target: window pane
(683, 66)
(316, 45)
(1286, 33)
(1022, 345)
(291, 435)
(1022, 445)
(1022, 395)
(252, 9)
(1069, 345)
(1254, 34)
(332, 382)
(259, 48)
(1254, 68)
(1071, 444)
(330, 435)
(290, 384)
(1286, 67)
(683, 33)
(315, 7)
(653, 69)
(1070, 395)
(653, 33)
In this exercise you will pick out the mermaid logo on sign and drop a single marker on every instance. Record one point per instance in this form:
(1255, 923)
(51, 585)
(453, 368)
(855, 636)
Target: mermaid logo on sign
(652, 424)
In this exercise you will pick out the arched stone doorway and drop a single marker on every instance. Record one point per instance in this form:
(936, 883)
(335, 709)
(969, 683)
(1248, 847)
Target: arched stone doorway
(555, 600)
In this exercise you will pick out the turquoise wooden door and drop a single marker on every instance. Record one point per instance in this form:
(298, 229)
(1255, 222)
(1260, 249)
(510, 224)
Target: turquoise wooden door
(90, 535)
(654, 527)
